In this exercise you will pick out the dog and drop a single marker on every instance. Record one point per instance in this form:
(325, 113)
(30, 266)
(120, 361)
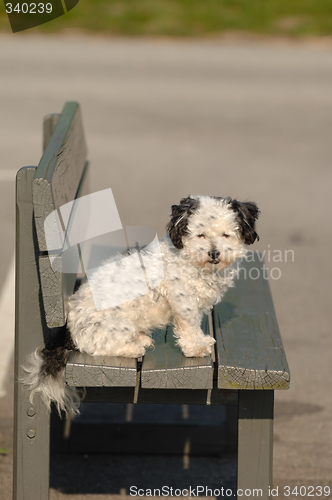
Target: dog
(205, 237)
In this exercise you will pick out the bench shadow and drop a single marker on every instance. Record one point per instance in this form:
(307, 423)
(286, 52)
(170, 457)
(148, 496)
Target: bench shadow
(291, 409)
(107, 474)
(143, 446)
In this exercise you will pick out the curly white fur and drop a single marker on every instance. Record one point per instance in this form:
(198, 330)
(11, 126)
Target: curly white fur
(209, 235)
(192, 284)
(50, 389)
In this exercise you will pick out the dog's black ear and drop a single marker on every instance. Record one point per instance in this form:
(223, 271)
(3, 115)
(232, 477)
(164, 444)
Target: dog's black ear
(178, 225)
(247, 213)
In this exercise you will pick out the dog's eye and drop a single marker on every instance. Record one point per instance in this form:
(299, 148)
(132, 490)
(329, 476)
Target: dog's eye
(225, 235)
(200, 236)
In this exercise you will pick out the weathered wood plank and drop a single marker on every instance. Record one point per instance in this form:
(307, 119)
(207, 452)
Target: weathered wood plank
(165, 367)
(249, 345)
(98, 371)
(57, 285)
(60, 169)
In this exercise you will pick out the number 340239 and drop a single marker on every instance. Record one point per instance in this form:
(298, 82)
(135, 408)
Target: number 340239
(29, 8)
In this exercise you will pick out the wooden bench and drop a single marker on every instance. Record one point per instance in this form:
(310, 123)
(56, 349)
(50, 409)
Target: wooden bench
(250, 361)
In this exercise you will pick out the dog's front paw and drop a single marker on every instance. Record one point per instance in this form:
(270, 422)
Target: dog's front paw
(207, 339)
(195, 348)
(144, 340)
(130, 350)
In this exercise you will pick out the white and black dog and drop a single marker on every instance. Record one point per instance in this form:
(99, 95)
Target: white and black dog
(205, 236)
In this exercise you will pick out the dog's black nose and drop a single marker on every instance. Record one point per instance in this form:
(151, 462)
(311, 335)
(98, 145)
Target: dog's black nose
(214, 254)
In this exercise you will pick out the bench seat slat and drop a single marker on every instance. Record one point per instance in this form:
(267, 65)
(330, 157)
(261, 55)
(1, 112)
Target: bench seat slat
(249, 345)
(100, 371)
(165, 367)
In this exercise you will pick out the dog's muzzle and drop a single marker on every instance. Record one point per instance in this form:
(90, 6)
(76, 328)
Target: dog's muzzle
(214, 254)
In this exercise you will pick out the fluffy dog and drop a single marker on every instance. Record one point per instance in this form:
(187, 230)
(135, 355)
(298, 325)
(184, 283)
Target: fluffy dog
(205, 236)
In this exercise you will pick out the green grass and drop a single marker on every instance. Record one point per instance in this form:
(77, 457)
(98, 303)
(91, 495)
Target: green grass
(193, 18)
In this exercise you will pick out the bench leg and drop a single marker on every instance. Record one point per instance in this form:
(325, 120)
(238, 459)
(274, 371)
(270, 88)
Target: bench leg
(255, 443)
(31, 448)
(31, 422)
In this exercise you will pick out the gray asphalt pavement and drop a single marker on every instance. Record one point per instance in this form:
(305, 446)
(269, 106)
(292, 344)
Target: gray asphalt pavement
(164, 119)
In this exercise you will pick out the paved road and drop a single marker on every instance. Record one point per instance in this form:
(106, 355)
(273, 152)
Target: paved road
(164, 119)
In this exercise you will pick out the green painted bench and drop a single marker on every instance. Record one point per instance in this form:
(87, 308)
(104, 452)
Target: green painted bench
(248, 365)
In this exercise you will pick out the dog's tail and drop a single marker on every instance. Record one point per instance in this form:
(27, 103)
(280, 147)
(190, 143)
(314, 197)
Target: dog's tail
(44, 375)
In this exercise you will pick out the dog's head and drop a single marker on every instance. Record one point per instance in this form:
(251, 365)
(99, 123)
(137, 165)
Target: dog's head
(213, 231)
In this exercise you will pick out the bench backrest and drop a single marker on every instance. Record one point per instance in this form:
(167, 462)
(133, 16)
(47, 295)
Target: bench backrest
(60, 177)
